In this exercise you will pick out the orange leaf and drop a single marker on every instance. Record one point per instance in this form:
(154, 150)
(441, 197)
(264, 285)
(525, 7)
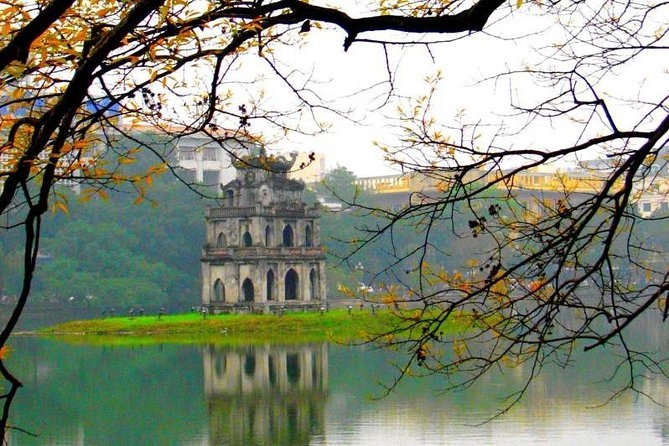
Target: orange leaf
(60, 206)
(5, 350)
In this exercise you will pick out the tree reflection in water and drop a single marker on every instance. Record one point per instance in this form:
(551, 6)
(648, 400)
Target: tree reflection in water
(177, 394)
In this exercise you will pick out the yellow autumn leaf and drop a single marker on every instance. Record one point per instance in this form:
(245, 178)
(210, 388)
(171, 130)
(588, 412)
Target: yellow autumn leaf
(508, 361)
(254, 25)
(85, 195)
(459, 348)
(102, 13)
(59, 206)
(15, 69)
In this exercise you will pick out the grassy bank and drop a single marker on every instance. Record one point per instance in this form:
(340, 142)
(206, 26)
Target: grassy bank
(334, 325)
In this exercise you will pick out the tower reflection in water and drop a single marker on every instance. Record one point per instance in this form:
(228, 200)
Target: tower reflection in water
(266, 394)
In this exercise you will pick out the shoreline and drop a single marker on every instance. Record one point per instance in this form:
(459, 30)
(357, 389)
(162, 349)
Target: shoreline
(340, 325)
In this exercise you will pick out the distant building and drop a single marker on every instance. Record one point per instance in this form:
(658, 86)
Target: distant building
(534, 188)
(210, 160)
(382, 183)
(650, 190)
(263, 248)
(649, 204)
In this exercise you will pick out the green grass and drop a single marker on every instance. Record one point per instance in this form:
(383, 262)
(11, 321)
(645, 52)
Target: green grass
(235, 329)
(336, 325)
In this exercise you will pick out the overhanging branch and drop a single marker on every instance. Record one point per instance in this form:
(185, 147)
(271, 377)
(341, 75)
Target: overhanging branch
(469, 20)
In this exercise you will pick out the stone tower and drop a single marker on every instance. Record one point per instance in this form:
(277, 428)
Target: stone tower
(263, 248)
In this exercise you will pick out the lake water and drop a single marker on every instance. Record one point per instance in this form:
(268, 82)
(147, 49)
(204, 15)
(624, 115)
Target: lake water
(315, 394)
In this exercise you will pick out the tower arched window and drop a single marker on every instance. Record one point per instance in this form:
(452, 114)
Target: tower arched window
(288, 236)
(264, 196)
(248, 292)
(313, 285)
(270, 285)
(229, 197)
(269, 236)
(308, 236)
(291, 284)
(219, 291)
(247, 240)
(221, 241)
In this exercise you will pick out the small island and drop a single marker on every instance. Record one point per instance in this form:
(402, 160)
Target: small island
(347, 325)
(340, 325)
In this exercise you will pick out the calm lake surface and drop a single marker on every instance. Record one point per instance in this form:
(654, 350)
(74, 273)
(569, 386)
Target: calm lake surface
(315, 394)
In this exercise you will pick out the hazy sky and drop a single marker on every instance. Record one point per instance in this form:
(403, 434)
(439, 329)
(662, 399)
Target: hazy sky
(356, 83)
(464, 65)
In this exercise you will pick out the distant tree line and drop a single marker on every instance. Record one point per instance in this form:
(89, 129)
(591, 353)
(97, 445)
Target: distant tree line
(114, 253)
(117, 253)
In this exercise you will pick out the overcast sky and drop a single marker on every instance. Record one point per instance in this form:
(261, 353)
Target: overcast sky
(464, 64)
(355, 82)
